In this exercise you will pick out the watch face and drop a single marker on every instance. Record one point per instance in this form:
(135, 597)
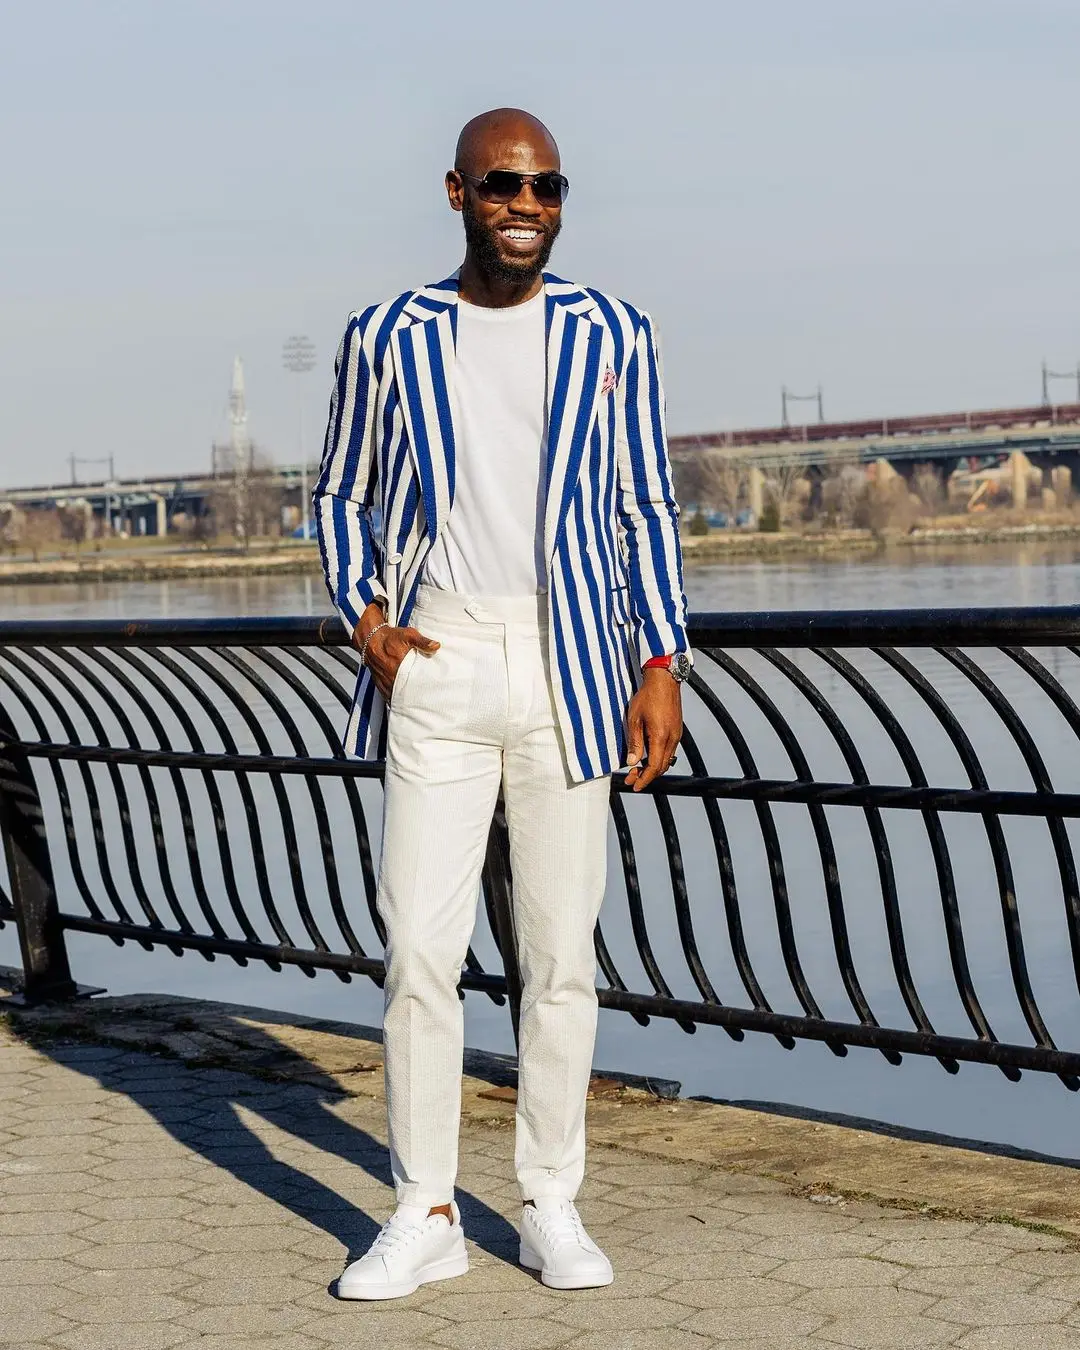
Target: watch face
(681, 666)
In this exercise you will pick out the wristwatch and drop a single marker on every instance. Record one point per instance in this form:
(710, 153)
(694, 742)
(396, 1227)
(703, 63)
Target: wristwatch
(678, 665)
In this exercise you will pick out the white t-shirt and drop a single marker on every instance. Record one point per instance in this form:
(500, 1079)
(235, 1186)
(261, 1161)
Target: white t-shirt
(492, 543)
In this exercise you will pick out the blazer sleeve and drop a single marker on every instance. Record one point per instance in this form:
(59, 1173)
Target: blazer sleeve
(348, 480)
(647, 511)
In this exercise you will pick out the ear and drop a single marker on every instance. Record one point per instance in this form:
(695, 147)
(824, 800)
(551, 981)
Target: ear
(455, 189)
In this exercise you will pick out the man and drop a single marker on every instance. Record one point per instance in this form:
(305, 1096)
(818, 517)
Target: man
(528, 580)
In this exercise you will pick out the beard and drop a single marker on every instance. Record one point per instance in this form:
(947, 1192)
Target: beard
(484, 245)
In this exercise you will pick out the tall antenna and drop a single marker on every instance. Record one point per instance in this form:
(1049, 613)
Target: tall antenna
(786, 397)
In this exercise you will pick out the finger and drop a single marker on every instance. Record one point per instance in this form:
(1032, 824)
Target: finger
(417, 639)
(635, 740)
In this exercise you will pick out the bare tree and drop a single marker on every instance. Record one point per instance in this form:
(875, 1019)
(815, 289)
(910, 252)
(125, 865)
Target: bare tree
(73, 523)
(929, 484)
(246, 501)
(782, 489)
(37, 529)
(842, 484)
(723, 482)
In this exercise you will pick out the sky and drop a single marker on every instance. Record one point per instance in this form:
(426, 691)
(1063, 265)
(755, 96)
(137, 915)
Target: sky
(880, 196)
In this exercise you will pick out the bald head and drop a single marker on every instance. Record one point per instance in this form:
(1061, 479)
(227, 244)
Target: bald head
(498, 138)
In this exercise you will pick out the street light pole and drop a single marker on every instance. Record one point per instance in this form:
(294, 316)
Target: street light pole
(298, 355)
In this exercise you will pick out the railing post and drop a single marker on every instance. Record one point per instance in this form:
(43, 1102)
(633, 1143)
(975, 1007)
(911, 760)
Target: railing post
(498, 884)
(46, 972)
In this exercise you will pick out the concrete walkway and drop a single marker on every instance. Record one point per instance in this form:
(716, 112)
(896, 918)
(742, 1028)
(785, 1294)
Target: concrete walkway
(145, 1204)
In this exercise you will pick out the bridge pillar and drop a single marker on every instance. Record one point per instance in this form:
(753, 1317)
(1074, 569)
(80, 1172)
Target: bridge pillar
(1019, 470)
(1061, 483)
(162, 516)
(755, 492)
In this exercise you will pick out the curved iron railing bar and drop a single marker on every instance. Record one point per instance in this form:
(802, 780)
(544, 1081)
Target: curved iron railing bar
(288, 824)
(995, 835)
(78, 658)
(120, 657)
(318, 801)
(251, 809)
(830, 871)
(363, 837)
(673, 847)
(770, 839)
(638, 925)
(894, 924)
(67, 815)
(1052, 687)
(25, 667)
(939, 848)
(54, 664)
(728, 888)
(1063, 853)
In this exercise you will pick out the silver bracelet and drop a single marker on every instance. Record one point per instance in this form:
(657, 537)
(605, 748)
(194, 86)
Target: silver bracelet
(364, 645)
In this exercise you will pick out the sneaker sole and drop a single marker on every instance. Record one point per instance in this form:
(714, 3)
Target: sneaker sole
(447, 1269)
(529, 1259)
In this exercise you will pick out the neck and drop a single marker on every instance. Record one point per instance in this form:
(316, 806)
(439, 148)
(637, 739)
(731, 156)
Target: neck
(477, 287)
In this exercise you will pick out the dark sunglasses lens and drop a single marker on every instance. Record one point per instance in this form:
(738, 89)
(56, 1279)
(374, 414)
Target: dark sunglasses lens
(500, 185)
(550, 189)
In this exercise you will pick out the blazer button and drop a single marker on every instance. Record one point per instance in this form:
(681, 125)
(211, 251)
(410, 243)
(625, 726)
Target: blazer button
(394, 558)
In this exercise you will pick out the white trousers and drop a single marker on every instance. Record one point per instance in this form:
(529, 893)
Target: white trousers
(476, 714)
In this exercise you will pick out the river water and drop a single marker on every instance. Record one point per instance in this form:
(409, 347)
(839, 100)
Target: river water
(978, 1103)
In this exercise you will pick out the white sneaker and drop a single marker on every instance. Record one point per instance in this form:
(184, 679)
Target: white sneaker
(413, 1248)
(554, 1242)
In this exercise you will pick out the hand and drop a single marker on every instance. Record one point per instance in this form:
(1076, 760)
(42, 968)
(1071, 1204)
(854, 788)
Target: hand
(388, 647)
(653, 720)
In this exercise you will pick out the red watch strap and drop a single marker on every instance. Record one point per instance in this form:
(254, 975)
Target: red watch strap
(664, 661)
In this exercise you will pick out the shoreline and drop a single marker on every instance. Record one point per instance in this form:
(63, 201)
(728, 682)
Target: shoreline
(718, 546)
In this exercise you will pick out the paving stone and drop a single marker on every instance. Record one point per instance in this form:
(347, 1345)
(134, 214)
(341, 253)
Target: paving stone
(459, 1306)
(1046, 1262)
(492, 1336)
(248, 1320)
(36, 1272)
(655, 1338)
(1023, 1239)
(768, 1326)
(838, 1272)
(1000, 1310)
(22, 1327)
(931, 1251)
(136, 1255)
(817, 1246)
(709, 1265)
(129, 1336)
(631, 1313)
(262, 1290)
(887, 1333)
(132, 1283)
(1020, 1338)
(738, 1292)
(289, 1341)
(26, 1223)
(882, 1301)
(374, 1324)
(969, 1279)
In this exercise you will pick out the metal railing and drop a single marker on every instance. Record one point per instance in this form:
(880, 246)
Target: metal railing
(867, 841)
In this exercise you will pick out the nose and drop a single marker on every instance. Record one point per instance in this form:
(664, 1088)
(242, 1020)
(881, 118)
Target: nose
(525, 203)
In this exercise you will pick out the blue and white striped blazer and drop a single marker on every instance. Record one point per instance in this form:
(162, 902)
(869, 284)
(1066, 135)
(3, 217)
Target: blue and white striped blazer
(611, 531)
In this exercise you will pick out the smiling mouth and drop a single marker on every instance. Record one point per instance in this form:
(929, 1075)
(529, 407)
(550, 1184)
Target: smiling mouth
(520, 237)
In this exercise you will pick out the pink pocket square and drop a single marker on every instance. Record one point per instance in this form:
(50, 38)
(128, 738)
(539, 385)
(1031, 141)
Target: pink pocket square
(610, 381)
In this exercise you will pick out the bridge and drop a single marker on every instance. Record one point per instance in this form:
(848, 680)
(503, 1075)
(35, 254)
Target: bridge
(1048, 434)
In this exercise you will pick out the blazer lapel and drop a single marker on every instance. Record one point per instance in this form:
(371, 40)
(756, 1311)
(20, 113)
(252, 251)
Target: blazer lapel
(424, 361)
(573, 390)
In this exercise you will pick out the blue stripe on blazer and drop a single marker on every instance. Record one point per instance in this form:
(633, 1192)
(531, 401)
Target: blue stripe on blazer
(611, 535)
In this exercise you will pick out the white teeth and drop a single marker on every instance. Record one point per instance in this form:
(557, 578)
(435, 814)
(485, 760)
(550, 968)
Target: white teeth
(521, 234)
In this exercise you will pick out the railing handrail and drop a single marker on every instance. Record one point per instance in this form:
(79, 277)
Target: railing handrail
(1034, 625)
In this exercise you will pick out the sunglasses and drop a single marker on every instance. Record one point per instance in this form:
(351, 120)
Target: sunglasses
(500, 186)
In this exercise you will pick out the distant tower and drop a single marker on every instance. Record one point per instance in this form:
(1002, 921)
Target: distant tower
(239, 441)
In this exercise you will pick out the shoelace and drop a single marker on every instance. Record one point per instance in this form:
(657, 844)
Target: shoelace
(562, 1228)
(393, 1235)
